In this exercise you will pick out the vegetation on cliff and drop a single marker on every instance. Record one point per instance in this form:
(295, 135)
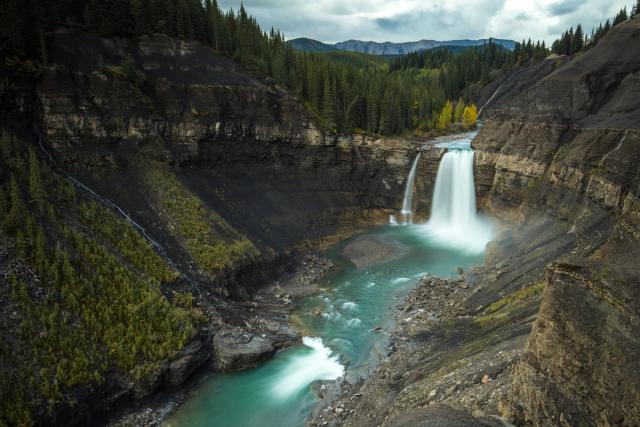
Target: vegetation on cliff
(83, 287)
(574, 41)
(205, 235)
(347, 91)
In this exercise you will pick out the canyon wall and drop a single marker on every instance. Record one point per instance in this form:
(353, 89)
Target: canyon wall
(250, 151)
(568, 145)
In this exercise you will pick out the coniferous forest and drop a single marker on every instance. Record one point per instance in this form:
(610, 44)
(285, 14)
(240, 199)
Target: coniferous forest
(404, 94)
(347, 93)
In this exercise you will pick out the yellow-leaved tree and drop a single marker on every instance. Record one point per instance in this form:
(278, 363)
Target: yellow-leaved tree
(470, 116)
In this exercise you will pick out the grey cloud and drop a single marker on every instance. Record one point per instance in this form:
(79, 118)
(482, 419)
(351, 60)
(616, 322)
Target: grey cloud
(564, 7)
(338, 20)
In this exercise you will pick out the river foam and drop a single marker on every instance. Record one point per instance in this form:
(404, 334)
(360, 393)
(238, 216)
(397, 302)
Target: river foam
(318, 364)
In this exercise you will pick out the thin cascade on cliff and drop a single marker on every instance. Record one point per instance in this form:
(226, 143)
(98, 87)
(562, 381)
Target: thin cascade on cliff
(454, 219)
(407, 201)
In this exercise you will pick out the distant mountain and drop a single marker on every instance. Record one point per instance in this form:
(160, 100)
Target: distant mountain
(304, 44)
(389, 48)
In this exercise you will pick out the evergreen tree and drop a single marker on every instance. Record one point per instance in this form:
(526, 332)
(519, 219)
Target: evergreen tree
(329, 103)
(577, 40)
(18, 211)
(621, 17)
(35, 180)
(457, 115)
(39, 251)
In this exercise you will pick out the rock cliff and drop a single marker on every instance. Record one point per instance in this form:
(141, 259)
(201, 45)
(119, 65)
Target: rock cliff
(569, 146)
(242, 147)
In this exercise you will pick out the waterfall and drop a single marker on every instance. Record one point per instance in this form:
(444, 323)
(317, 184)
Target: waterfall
(454, 197)
(407, 201)
(454, 220)
(489, 100)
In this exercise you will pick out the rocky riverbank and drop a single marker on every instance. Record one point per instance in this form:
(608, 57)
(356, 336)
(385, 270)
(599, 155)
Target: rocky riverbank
(475, 384)
(246, 336)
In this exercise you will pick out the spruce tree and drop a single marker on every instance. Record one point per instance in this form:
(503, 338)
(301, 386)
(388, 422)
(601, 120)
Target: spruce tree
(577, 40)
(35, 180)
(457, 115)
(621, 17)
(18, 211)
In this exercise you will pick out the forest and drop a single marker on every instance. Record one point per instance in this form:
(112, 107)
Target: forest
(346, 92)
(85, 284)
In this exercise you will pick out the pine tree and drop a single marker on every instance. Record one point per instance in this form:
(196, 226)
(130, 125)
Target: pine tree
(39, 251)
(18, 211)
(577, 41)
(329, 103)
(457, 115)
(22, 245)
(35, 180)
(621, 17)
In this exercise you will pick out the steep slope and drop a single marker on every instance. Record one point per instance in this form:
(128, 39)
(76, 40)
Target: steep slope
(239, 147)
(569, 146)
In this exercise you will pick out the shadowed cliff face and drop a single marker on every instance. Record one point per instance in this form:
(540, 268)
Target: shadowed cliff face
(228, 142)
(569, 145)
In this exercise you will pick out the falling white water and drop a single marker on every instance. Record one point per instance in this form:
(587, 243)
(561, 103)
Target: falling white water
(454, 220)
(624, 137)
(319, 364)
(407, 201)
(454, 201)
(489, 100)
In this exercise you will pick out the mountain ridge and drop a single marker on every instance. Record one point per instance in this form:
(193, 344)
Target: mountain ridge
(388, 48)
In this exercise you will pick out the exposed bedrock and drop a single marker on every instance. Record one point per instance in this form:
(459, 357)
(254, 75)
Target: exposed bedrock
(569, 146)
(244, 148)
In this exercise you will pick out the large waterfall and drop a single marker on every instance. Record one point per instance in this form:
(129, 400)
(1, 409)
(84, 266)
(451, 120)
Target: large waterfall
(407, 201)
(454, 220)
(454, 197)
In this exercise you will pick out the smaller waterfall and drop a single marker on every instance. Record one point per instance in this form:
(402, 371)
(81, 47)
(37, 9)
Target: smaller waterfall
(619, 146)
(489, 100)
(407, 201)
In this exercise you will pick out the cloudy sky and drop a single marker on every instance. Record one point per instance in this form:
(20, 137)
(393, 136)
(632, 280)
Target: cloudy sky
(410, 20)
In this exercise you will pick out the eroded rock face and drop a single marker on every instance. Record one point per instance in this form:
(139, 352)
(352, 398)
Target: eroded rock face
(190, 358)
(581, 363)
(569, 146)
(569, 139)
(250, 151)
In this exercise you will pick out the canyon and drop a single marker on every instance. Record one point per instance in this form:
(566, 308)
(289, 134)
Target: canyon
(545, 332)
